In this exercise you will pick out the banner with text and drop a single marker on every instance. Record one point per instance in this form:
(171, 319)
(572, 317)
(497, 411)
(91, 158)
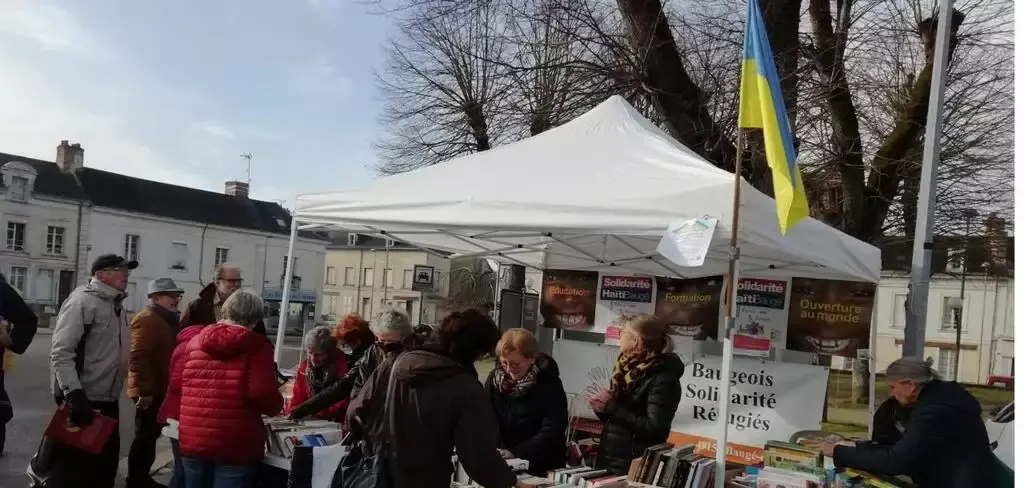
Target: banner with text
(830, 316)
(622, 297)
(760, 316)
(768, 401)
(568, 299)
(691, 307)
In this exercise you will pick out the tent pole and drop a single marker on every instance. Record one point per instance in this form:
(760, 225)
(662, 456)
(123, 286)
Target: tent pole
(872, 365)
(730, 321)
(282, 319)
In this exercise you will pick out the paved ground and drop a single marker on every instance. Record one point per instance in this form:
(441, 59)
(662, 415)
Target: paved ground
(28, 386)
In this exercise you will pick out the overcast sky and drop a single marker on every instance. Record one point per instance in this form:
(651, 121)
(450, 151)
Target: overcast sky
(175, 91)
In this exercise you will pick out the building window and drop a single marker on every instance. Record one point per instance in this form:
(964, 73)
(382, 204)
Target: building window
(331, 306)
(367, 276)
(19, 188)
(131, 247)
(389, 243)
(364, 307)
(43, 285)
(949, 315)
(351, 240)
(389, 278)
(16, 236)
(407, 279)
(945, 367)
(284, 265)
(54, 240)
(899, 312)
(179, 255)
(18, 278)
(220, 256)
(331, 277)
(350, 276)
(955, 263)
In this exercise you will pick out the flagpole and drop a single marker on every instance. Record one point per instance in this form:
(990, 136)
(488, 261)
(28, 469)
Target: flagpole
(730, 321)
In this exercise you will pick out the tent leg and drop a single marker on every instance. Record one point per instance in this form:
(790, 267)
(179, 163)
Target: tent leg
(872, 366)
(282, 320)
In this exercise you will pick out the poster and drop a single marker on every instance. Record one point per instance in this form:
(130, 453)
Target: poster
(768, 401)
(760, 316)
(569, 299)
(830, 316)
(620, 298)
(692, 307)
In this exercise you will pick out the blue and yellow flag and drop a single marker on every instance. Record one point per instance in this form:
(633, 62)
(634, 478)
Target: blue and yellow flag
(761, 107)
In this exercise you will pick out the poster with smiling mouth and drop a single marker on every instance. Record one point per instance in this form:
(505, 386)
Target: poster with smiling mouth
(691, 307)
(830, 316)
(568, 299)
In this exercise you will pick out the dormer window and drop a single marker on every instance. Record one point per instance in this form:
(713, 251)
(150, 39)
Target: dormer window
(19, 188)
(955, 264)
(351, 240)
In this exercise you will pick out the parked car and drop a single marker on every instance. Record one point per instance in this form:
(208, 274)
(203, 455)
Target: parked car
(1000, 433)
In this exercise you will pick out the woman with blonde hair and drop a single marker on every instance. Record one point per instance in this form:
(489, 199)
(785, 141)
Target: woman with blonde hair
(529, 402)
(638, 407)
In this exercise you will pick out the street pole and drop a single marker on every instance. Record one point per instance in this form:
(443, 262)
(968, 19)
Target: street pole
(921, 272)
(968, 214)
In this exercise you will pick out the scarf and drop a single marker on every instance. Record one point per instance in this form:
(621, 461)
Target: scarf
(517, 388)
(628, 369)
(320, 377)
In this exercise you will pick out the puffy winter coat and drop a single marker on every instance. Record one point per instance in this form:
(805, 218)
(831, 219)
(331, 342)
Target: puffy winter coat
(227, 382)
(301, 390)
(171, 408)
(533, 425)
(641, 416)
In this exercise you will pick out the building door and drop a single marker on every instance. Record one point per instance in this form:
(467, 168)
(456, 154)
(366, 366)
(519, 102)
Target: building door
(65, 284)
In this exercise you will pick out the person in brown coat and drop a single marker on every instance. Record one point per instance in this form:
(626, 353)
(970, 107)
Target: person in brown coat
(438, 406)
(153, 331)
(206, 310)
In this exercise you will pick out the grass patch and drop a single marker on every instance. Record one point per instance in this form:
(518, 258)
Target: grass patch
(840, 393)
(847, 430)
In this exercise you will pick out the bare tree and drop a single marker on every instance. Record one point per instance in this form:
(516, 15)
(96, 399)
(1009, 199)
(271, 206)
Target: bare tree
(440, 91)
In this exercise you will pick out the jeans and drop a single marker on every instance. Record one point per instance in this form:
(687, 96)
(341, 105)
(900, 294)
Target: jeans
(178, 475)
(143, 450)
(200, 473)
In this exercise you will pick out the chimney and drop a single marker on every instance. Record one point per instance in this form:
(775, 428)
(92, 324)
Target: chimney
(997, 241)
(70, 157)
(237, 189)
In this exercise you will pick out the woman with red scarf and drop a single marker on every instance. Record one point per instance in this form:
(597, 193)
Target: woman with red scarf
(324, 364)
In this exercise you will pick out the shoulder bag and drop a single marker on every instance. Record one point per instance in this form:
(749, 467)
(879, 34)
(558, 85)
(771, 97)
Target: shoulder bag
(367, 464)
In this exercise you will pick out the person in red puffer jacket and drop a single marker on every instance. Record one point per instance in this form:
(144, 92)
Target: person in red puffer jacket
(227, 380)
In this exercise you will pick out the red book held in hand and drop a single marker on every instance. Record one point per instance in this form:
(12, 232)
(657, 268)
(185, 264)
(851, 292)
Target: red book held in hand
(89, 439)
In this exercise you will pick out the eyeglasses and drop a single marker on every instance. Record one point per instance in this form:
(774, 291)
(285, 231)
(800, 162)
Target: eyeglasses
(232, 281)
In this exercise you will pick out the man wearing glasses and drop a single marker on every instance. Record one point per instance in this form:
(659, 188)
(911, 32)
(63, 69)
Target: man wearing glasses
(88, 362)
(206, 310)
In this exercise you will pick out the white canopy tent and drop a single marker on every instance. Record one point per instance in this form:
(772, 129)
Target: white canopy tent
(595, 194)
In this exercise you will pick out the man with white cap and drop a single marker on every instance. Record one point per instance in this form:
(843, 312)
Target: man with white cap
(153, 332)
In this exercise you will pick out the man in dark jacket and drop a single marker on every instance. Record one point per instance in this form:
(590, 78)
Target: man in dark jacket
(437, 405)
(206, 310)
(16, 336)
(944, 443)
(394, 334)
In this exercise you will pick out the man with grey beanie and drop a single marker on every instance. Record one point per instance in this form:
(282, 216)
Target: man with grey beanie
(944, 443)
(394, 334)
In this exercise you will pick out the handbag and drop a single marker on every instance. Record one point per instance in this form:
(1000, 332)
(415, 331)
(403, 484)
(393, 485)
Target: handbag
(366, 465)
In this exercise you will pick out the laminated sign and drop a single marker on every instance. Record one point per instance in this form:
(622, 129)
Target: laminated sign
(686, 242)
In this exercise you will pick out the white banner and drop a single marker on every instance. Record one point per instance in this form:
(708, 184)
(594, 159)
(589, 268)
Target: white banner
(769, 401)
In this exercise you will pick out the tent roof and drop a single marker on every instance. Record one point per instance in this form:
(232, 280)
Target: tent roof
(595, 193)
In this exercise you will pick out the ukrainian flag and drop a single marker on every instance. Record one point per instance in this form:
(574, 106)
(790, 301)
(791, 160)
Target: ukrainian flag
(761, 107)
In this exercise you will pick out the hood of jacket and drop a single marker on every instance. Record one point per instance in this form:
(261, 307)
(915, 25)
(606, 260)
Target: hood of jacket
(103, 291)
(208, 292)
(668, 364)
(547, 368)
(228, 341)
(423, 366)
(950, 395)
(188, 333)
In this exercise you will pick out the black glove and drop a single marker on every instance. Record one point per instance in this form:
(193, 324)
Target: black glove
(297, 414)
(81, 409)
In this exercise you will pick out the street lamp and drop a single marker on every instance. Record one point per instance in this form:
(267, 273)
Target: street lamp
(956, 305)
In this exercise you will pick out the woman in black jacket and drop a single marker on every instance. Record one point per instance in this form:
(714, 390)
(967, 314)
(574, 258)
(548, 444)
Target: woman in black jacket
(529, 402)
(17, 328)
(638, 408)
(944, 443)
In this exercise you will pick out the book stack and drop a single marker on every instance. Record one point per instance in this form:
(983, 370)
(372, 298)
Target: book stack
(790, 465)
(460, 479)
(284, 435)
(850, 478)
(667, 466)
(581, 477)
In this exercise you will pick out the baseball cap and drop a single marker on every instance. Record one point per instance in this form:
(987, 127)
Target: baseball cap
(108, 261)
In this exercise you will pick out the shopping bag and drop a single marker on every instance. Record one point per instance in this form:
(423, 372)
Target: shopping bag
(90, 438)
